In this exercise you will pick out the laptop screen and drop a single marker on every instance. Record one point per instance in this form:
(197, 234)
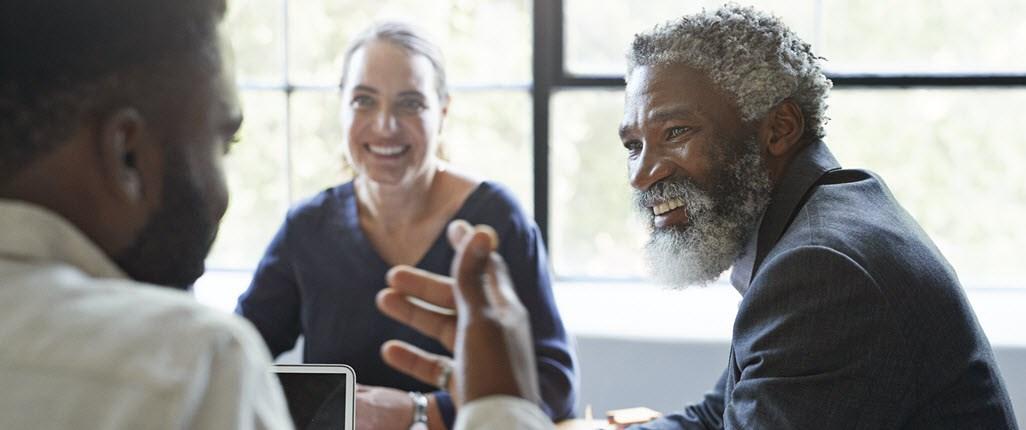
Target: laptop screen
(316, 400)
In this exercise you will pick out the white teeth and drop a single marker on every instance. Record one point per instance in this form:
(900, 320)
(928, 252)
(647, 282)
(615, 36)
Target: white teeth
(386, 150)
(667, 206)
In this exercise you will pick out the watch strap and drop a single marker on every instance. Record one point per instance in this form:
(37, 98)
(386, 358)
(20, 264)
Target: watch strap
(420, 404)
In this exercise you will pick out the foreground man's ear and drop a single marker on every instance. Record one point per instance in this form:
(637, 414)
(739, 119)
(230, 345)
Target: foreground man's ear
(127, 154)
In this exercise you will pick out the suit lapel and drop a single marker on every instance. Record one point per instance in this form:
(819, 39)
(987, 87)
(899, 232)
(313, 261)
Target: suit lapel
(807, 167)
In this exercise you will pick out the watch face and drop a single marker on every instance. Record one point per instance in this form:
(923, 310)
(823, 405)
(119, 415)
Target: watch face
(419, 426)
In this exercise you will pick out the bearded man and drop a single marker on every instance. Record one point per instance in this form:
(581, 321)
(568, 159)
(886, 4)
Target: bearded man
(114, 119)
(850, 317)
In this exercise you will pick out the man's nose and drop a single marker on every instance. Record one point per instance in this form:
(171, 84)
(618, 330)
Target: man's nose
(649, 168)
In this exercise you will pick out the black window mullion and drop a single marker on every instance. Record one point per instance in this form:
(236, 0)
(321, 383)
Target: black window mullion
(841, 80)
(547, 68)
(906, 80)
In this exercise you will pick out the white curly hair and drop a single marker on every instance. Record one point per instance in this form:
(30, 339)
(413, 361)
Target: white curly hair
(750, 54)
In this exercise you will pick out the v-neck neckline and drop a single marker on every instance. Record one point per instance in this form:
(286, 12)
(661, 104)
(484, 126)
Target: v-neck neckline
(361, 240)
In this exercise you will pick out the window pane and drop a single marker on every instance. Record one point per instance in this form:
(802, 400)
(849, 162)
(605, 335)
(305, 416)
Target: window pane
(865, 36)
(316, 150)
(598, 32)
(954, 159)
(255, 30)
(482, 40)
(957, 170)
(488, 134)
(256, 180)
(924, 35)
(594, 231)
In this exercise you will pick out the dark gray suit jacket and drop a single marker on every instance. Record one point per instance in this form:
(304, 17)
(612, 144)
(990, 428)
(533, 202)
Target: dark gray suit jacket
(850, 319)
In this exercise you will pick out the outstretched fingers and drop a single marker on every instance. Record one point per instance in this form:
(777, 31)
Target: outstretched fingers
(441, 326)
(424, 285)
(422, 365)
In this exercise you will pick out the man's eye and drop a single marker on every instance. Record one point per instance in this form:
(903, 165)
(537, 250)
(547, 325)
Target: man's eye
(632, 146)
(676, 131)
(234, 140)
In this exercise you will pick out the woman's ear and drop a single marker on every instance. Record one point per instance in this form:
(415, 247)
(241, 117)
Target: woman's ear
(783, 128)
(444, 113)
(126, 152)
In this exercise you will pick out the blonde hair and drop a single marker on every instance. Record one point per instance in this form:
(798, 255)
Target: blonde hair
(406, 37)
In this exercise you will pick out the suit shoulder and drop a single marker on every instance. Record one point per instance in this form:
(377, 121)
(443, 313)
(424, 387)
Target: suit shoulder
(854, 213)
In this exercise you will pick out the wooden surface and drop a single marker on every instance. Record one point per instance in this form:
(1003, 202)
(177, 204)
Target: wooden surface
(582, 424)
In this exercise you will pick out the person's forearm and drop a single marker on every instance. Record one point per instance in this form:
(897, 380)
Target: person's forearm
(558, 389)
(502, 413)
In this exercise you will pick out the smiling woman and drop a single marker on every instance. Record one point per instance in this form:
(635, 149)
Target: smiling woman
(320, 274)
(289, 56)
(393, 107)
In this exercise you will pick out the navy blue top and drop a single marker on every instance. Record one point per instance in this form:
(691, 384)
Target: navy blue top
(320, 275)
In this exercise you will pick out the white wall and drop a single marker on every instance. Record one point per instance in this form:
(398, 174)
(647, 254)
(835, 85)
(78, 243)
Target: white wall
(665, 376)
(644, 346)
(640, 345)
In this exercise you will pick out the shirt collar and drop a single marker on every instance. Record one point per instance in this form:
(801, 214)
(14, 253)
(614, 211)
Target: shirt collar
(32, 233)
(810, 164)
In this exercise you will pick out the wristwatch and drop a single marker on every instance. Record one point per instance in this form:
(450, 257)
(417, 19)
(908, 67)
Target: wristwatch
(420, 403)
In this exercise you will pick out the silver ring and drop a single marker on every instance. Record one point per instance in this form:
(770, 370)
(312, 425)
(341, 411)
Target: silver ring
(442, 381)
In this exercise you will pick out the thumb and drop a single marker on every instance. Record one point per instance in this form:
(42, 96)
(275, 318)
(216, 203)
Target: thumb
(457, 231)
(471, 266)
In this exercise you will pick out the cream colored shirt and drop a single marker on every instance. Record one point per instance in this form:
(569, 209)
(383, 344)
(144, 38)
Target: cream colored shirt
(82, 347)
(502, 413)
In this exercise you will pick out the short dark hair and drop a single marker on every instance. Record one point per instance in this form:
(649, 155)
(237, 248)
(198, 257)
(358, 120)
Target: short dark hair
(63, 61)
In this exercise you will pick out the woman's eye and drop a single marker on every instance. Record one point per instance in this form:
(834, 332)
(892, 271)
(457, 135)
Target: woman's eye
(361, 101)
(412, 105)
(676, 131)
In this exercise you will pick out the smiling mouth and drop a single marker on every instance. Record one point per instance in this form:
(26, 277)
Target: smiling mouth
(387, 150)
(667, 206)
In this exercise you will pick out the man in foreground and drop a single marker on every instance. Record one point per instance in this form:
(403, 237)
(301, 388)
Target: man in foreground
(850, 317)
(114, 118)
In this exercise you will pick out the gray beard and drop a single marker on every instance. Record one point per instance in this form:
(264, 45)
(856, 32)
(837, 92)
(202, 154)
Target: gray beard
(720, 220)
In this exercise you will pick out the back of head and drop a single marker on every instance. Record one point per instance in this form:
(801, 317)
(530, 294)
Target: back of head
(65, 61)
(750, 54)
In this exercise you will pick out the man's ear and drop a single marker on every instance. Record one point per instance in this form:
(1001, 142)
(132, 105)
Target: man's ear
(127, 151)
(782, 129)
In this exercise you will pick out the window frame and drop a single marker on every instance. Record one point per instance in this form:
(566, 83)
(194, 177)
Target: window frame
(550, 75)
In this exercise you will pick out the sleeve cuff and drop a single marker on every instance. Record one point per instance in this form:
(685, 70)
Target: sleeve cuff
(502, 412)
(445, 407)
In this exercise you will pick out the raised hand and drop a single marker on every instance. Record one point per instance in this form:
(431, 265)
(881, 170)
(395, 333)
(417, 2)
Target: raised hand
(489, 333)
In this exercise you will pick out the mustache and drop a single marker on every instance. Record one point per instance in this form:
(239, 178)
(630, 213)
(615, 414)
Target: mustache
(670, 188)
